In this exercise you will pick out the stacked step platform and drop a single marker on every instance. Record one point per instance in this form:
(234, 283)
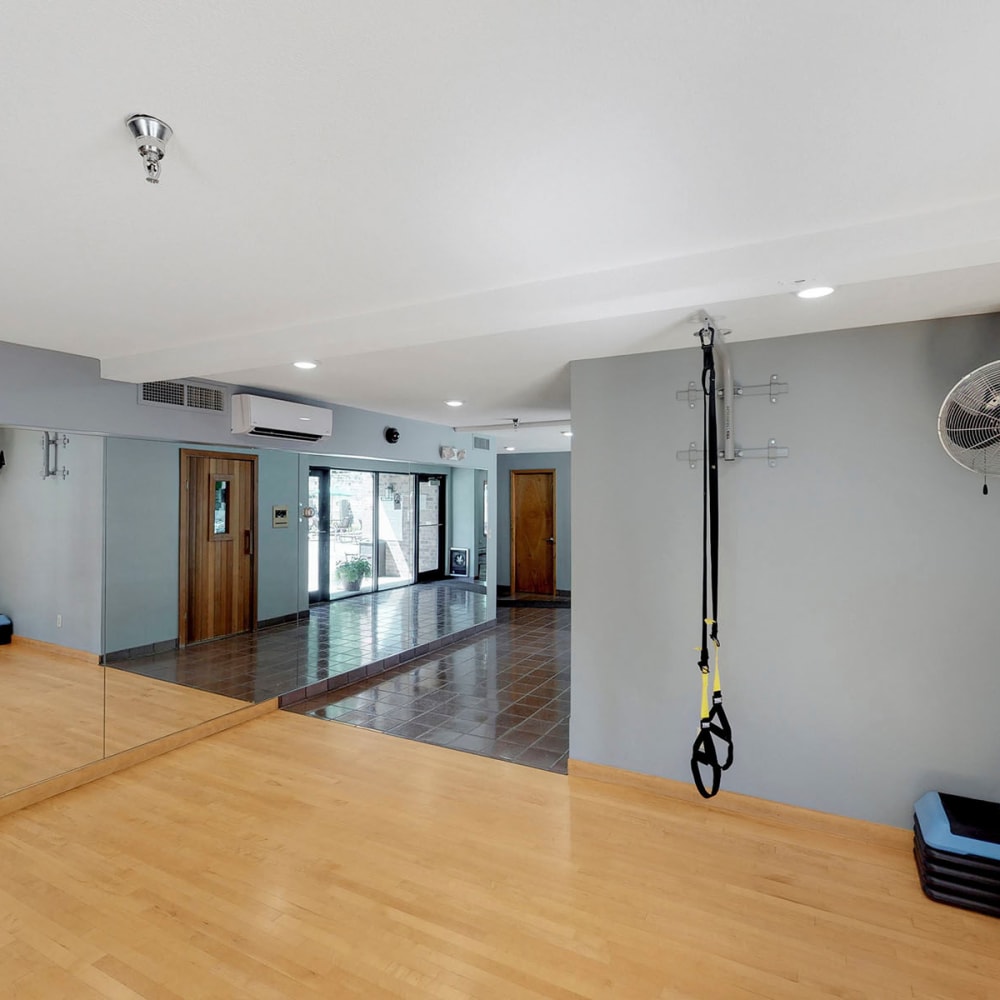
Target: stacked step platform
(956, 842)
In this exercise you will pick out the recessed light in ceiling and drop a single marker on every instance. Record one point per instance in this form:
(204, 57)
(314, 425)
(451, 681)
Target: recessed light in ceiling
(567, 434)
(304, 364)
(509, 447)
(453, 402)
(817, 292)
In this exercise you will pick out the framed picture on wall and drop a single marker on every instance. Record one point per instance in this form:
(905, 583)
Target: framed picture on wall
(458, 562)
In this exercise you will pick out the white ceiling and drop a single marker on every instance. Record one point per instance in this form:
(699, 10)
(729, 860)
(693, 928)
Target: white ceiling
(454, 199)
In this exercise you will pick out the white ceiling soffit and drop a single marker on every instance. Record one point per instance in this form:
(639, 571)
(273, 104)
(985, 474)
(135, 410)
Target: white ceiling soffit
(418, 195)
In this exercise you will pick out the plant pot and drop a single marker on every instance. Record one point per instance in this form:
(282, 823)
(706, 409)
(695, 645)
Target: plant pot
(354, 585)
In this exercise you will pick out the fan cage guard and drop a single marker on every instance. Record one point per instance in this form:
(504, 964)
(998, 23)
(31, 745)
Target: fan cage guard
(969, 421)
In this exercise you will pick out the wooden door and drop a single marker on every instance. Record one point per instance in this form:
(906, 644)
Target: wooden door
(218, 542)
(533, 531)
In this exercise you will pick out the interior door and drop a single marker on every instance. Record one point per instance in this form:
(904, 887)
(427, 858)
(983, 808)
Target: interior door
(218, 542)
(430, 527)
(533, 531)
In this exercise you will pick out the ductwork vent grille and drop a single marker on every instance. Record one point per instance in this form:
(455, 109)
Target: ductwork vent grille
(163, 393)
(204, 397)
(186, 394)
(483, 444)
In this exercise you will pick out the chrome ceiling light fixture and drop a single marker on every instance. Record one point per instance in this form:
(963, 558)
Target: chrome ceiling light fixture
(151, 136)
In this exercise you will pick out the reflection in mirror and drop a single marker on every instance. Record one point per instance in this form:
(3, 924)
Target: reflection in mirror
(51, 715)
(51, 548)
(141, 709)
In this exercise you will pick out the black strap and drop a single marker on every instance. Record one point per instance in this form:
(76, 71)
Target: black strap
(712, 465)
(707, 386)
(714, 727)
(703, 754)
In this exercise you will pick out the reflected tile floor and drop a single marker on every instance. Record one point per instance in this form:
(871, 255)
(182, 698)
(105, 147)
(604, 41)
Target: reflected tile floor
(341, 640)
(502, 694)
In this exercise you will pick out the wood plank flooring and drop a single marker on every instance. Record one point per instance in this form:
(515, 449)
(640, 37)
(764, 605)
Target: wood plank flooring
(59, 713)
(290, 857)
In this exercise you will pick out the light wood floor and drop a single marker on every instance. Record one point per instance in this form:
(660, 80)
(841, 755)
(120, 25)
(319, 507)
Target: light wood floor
(57, 713)
(291, 857)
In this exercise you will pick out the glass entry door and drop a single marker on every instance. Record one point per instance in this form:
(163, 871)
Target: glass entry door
(363, 536)
(430, 527)
(342, 534)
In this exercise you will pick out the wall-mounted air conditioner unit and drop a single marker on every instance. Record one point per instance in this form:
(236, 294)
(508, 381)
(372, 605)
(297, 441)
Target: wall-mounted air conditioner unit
(280, 418)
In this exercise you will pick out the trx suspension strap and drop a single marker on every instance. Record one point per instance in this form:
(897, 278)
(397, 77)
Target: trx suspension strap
(714, 735)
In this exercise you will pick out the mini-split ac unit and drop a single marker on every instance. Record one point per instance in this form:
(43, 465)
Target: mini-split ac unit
(280, 418)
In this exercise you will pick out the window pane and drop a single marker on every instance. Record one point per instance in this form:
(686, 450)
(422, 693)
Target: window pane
(395, 529)
(351, 519)
(220, 525)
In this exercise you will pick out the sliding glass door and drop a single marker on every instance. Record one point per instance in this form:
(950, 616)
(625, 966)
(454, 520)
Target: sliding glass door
(362, 537)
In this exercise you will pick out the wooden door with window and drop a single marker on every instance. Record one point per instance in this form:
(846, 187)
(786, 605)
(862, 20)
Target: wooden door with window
(533, 531)
(218, 542)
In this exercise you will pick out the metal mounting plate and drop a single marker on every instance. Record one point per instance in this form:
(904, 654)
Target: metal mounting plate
(693, 454)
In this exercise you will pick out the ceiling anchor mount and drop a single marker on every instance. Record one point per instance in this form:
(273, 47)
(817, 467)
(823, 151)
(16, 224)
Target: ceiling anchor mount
(151, 136)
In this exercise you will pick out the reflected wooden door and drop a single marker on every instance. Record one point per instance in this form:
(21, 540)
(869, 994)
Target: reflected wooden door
(533, 531)
(218, 542)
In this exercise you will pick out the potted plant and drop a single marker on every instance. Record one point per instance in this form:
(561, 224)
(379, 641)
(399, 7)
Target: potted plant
(352, 571)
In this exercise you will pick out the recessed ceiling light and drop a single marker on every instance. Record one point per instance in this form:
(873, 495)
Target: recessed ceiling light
(567, 434)
(509, 447)
(305, 364)
(818, 292)
(453, 402)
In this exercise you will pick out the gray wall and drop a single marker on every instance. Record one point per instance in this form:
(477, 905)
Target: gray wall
(858, 595)
(561, 461)
(52, 540)
(142, 525)
(281, 566)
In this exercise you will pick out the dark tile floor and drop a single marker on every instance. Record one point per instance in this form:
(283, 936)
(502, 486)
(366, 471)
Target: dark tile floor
(503, 694)
(342, 638)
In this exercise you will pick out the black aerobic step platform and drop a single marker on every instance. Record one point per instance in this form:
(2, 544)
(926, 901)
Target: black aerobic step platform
(960, 863)
(956, 845)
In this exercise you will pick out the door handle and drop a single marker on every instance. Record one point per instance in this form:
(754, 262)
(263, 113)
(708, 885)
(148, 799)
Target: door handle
(248, 543)
(552, 540)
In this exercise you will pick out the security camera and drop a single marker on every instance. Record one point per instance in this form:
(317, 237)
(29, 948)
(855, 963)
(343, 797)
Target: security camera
(391, 435)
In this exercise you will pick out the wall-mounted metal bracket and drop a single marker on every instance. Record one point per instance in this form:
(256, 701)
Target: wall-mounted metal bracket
(693, 454)
(52, 441)
(694, 393)
(774, 389)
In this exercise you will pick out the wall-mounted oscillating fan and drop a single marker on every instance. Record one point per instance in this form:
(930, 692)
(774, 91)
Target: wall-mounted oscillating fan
(969, 421)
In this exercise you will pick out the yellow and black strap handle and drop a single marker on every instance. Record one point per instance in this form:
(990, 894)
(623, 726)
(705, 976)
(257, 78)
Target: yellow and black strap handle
(714, 733)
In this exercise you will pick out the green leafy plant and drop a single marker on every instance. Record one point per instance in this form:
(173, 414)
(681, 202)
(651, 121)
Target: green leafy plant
(355, 568)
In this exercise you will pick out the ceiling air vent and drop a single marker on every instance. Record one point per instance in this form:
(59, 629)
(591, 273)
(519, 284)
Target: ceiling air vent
(483, 444)
(187, 394)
